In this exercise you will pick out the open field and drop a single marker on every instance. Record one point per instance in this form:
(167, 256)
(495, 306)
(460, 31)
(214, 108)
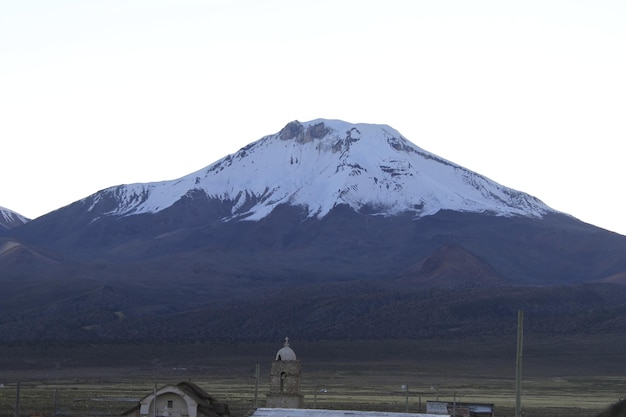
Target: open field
(106, 380)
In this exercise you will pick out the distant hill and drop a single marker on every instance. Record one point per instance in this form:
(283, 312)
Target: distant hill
(10, 219)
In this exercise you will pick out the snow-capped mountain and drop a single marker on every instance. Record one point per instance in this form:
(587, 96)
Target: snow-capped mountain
(319, 208)
(10, 219)
(324, 163)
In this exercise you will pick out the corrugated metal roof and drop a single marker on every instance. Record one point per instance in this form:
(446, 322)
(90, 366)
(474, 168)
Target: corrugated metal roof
(307, 412)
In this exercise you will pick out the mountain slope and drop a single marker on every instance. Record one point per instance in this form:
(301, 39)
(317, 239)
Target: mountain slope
(451, 266)
(10, 219)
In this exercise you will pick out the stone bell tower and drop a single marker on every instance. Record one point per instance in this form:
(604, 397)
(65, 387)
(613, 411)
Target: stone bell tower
(285, 380)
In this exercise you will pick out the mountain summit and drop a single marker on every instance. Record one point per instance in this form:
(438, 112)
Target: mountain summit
(10, 219)
(321, 164)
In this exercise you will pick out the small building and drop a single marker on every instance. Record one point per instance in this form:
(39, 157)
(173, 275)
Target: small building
(307, 412)
(285, 380)
(184, 399)
(459, 409)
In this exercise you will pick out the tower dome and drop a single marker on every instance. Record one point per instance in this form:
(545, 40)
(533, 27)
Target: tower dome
(286, 353)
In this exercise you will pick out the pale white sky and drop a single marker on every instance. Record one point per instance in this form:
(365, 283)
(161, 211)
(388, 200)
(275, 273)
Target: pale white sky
(96, 93)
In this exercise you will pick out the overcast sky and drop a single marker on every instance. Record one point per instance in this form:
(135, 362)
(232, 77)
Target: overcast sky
(97, 93)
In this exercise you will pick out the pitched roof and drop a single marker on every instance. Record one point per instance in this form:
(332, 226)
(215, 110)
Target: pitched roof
(197, 393)
(304, 412)
(207, 405)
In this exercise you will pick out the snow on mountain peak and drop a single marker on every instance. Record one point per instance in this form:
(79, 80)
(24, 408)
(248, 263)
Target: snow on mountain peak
(10, 219)
(323, 163)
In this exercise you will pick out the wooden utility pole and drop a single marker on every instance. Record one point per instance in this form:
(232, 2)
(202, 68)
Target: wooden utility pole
(154, 411)
(518, 371)
(17, 400)
(56, 400)
(407, 398)
(256, 385)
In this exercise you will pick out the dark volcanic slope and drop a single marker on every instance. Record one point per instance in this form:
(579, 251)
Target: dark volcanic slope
(347, 274)
(339, 311)
(342, 245)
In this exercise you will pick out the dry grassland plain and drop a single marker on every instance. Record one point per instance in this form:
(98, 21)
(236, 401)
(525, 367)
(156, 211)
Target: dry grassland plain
(558, 379)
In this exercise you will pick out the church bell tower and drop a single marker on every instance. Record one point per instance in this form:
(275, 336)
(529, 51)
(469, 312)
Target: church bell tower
(285, 380)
